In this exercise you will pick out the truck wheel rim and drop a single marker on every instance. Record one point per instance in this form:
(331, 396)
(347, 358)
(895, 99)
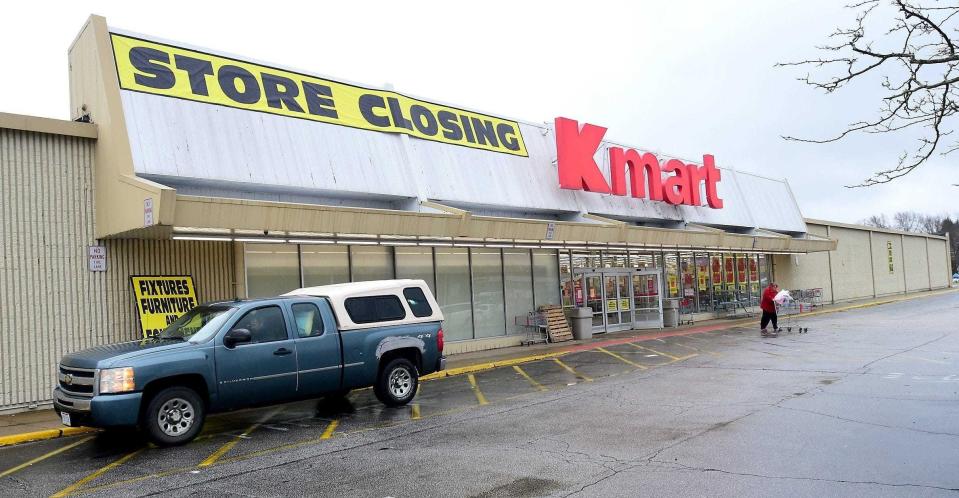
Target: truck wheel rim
(401, 382)
(176, 417)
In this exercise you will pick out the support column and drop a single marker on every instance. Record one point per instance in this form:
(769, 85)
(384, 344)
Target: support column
(832, 290)
(872, 266)
(902, 245)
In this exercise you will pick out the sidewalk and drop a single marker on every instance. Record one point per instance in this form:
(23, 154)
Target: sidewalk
(43, 424)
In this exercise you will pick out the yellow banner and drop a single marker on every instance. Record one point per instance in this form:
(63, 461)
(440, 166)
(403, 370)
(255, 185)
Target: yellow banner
(161, 300)
(159, 69)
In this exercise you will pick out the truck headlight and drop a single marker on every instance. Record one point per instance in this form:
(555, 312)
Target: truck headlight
(116, 380)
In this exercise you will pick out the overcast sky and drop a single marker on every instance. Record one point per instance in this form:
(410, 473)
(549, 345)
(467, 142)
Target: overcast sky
(681, 77)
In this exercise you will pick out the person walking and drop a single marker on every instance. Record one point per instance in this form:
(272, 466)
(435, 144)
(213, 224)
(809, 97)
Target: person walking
(769, 310)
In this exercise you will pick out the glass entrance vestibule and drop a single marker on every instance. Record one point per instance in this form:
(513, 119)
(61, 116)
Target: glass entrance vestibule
(704, 282)
(620, 298)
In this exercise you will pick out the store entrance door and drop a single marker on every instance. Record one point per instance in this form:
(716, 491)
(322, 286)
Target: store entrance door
(647, 300)
(621, 298)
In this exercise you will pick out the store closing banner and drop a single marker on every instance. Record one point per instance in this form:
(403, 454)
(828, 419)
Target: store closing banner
(159, 69)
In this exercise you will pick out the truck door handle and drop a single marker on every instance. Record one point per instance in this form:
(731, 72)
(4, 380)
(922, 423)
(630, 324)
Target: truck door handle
(282, 352)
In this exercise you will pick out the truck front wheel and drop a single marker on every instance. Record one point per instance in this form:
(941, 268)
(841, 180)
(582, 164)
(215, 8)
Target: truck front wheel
(174, 416)
(397, 382)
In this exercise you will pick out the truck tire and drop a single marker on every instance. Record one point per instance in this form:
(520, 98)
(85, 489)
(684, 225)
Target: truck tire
(174, 416)
(397, 382)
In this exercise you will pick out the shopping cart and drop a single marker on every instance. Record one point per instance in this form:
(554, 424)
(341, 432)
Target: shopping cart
(789, 310)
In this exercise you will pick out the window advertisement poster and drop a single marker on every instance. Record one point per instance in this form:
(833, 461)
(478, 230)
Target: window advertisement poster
(161, 299)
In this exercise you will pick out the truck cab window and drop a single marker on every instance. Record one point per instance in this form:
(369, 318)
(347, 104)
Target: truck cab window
(309, 322)
(265, 324)
(417, 301)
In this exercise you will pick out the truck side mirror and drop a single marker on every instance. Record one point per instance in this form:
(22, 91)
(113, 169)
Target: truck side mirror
(237, 336)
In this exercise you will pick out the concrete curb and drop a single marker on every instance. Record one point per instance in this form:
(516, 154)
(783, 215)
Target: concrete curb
(480, 367)
(27, 437)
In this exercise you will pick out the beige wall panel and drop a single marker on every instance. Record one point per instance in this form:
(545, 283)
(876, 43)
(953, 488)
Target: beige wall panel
(939, 273)
(52, 304)
(210, 264)
(852, 274)
(916, 263)
(887, 282)
(46, 214)
(803, 271)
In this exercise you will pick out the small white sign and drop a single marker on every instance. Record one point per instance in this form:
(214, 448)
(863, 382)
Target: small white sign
(97, 258)
(148, 212)
(550, 230)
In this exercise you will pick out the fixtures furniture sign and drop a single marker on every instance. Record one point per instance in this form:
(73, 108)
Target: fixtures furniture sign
(161, 300)
(159, 69)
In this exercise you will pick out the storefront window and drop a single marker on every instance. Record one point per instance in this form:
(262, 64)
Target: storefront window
(729, 276)
(518, 270)
(687, 272)
(671, 270)
(271, 269)
(615, 260)
(415, 262)
(763, 272)
(371, 263)
(742, 276)
(642, 260)
(325, 264)
(565, 276)
(753, 280)
(545, 277)
(453, 292)
(703, 287)
(586, 259)
(489, 308)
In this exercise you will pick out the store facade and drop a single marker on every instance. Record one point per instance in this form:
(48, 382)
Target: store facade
(255, 180)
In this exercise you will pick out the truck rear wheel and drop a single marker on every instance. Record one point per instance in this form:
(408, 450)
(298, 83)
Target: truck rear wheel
(174, 416)
(397, 382)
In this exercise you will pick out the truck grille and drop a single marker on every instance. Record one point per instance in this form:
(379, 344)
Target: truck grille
(76, 381)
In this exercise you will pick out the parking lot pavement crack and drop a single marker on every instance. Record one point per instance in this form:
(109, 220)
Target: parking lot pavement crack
(680, 466)
(863, 422)
(904, 351)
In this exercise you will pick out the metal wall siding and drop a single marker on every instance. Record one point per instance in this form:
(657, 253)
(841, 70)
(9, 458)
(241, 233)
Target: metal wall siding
(50, 303)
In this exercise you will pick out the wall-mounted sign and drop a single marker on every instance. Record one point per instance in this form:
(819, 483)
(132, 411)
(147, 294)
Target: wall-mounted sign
(550, 230)
(97, 258)
(148, 212)
(624, 304)
(612, 305)
(575, 157)
(161, 300)
(892, 268)
(160, 69)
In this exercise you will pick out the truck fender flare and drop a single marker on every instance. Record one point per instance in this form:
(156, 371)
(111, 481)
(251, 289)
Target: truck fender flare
(393, 343)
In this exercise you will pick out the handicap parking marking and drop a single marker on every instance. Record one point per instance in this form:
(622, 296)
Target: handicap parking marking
(529, 379)
(571, 370)
(622, 359)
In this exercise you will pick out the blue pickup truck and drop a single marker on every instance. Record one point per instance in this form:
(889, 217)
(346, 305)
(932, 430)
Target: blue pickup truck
(309, 343)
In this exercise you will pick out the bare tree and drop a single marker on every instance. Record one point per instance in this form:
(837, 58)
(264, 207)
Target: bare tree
(907, 221)
(909, 45)
(878, 221)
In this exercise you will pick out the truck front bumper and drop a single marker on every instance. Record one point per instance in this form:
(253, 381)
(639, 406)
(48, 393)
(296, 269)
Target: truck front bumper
(105, 410)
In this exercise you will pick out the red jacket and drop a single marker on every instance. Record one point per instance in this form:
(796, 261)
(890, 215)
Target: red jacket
(767, 303)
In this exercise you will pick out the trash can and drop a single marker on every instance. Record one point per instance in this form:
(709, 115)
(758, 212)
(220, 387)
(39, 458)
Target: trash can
(671, 312)
(581, 320)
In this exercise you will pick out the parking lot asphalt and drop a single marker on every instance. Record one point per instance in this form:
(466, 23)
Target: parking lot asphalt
(865, 403)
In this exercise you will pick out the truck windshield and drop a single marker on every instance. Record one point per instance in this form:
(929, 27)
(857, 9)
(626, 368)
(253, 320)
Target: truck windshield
(198, 324)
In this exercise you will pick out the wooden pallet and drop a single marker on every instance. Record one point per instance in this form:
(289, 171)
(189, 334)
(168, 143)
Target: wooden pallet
(556, 325)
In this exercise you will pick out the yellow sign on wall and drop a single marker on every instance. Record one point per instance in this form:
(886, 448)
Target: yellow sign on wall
(611, 305)
(160, 69)
(161, 300)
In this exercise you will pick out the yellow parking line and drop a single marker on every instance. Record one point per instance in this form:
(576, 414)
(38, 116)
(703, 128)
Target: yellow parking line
(531, 380)
(44, 457)
(624, 360)
(103, 470)
(328, 433)
(210, 460)
(480, 398)
(570, 370)
(415, 411)
(674, 358)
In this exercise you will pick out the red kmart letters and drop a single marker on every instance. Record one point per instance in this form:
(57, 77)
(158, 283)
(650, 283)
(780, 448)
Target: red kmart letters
(575, 152)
